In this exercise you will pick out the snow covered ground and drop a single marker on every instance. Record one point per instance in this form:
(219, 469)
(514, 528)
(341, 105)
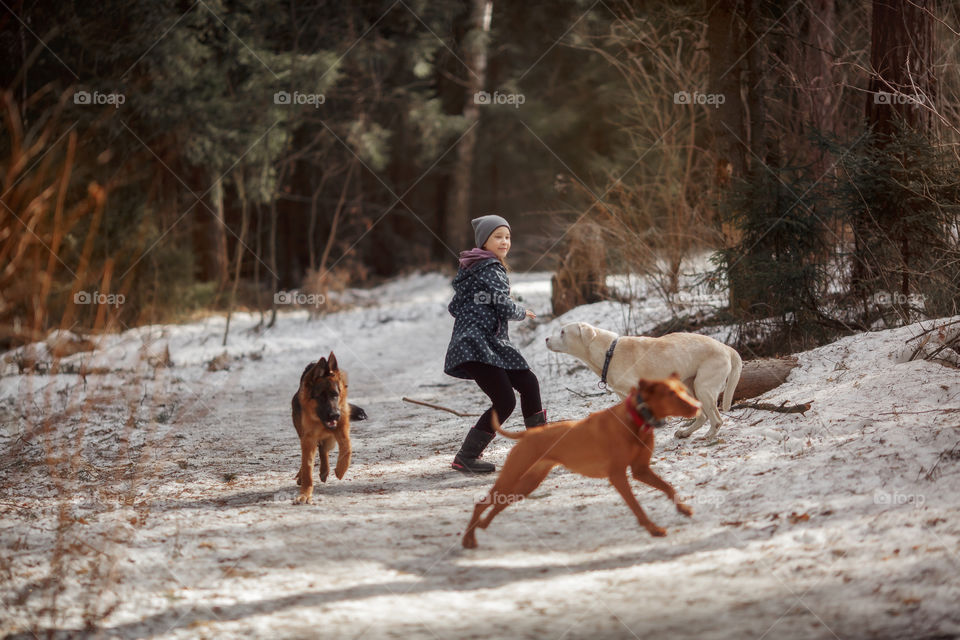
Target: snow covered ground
(158, 500)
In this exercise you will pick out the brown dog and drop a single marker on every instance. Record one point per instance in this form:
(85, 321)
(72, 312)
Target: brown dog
(321, 415)
(602, 445)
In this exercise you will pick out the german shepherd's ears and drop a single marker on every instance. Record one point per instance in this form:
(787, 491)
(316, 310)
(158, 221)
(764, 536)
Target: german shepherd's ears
(322, 363)
(308, 369)
(324, 366)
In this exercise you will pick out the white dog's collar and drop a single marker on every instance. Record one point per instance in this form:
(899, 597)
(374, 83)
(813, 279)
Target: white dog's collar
(606, 364)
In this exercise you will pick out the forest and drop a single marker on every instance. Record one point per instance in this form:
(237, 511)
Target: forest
(160, 159)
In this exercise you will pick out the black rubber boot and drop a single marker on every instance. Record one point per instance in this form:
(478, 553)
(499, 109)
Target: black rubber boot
(468, 459)
(536, 420)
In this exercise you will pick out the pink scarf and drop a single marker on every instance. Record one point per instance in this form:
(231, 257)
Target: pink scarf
(473, 256)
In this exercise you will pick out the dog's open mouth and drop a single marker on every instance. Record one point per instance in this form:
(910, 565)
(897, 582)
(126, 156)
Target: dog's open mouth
(331, 424)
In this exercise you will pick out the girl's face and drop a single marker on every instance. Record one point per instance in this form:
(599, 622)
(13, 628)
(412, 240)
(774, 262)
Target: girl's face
(498, 242)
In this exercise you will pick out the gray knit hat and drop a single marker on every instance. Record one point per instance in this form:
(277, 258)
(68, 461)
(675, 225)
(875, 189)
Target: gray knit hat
(484, 226)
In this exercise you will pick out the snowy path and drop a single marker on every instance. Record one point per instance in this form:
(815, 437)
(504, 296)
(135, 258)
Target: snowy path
(805, 526)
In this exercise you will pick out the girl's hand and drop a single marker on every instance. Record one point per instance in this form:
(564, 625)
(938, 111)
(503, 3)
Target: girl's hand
(531, 314)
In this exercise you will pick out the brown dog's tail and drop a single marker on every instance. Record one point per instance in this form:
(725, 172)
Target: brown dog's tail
(495, 421)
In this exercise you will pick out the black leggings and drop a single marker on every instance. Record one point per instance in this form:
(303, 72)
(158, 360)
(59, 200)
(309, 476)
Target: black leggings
(499, 384)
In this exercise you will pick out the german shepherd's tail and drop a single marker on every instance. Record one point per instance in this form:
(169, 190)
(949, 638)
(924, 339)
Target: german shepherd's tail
(495, 421)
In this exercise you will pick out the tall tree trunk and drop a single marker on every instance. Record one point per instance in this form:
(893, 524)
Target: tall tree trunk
(332, 236)
(458, 234)
(241, 245)
(902, 74)
(813, 101)
(819, 102)
(756, 93)
(220, 263)
(275, 282)
(441, 202)
(275, 278)
(312, 229)
(901, 56)
(725, 42)
(258, 251)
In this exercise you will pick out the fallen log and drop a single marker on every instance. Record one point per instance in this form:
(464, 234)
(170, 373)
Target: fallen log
(762, 375)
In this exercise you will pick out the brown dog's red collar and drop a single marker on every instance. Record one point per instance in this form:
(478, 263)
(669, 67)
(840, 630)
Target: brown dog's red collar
(641, 414)
(637, 419)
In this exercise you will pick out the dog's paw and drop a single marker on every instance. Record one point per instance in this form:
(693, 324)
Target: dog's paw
(469, 542)
(684, 509)
(323, 476)
(657, 532)
(303, 499)
(680, 433)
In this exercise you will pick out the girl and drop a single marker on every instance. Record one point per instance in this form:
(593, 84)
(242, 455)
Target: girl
(480, 348)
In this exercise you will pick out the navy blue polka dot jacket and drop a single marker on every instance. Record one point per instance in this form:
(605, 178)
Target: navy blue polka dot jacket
(482, 306)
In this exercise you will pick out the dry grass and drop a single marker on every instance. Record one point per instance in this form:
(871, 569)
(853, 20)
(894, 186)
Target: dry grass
(654, 213)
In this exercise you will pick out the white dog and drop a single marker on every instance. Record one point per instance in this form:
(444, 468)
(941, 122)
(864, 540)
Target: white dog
(708, 367)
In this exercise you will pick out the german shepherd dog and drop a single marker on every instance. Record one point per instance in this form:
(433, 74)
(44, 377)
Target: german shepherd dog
(322, 415)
